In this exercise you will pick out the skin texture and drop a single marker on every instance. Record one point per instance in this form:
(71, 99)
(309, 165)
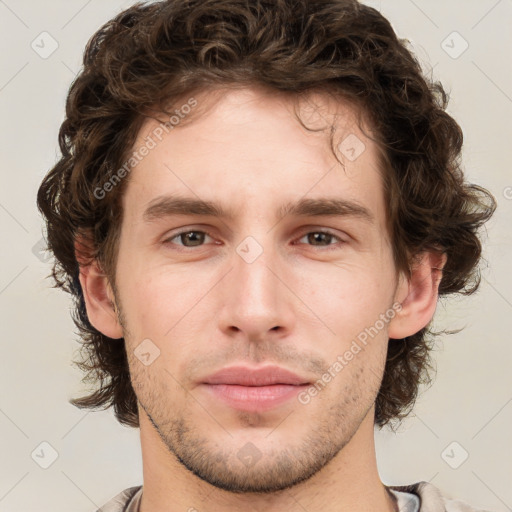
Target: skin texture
(300, 304)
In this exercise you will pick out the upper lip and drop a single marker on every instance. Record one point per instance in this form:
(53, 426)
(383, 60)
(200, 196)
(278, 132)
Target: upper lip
(247, 376)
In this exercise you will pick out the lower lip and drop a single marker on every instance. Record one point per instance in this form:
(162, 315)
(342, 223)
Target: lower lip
(254, 398)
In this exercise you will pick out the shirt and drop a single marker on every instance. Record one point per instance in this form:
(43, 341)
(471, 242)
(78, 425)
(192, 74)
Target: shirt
(418, 497)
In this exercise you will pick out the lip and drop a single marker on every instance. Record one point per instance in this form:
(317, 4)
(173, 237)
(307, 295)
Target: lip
(254, 389)
(263, 376)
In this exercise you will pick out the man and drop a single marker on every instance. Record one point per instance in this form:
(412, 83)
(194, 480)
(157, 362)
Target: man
(257, 207)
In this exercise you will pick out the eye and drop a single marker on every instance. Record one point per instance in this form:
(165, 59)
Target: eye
(188, 238)
(195, 238)
(321, 238)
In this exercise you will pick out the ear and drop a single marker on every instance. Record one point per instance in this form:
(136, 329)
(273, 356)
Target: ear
(98, 294)
(417, 295)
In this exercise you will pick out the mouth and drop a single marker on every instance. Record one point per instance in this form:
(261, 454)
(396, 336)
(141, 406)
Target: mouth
(254, 389)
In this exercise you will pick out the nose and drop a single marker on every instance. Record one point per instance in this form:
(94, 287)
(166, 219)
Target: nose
(257, 302)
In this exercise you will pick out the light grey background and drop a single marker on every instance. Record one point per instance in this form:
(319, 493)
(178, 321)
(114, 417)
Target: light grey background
(470, 401)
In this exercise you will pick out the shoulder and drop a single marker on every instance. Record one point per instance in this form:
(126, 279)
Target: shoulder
(125, 501)
(432, 500)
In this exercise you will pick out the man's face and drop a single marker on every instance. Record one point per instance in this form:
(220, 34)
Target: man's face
(257, 290)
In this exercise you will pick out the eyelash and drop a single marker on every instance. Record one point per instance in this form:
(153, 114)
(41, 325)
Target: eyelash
(186, 249)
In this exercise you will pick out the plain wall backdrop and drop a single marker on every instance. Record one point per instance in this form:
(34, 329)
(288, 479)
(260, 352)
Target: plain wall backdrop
(459, 436)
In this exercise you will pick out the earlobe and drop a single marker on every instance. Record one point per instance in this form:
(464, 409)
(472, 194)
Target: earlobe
(98, 296)
(418, 295)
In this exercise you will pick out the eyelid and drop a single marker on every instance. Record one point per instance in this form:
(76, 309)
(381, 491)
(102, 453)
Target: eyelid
(340, 239)
(321, 229)
(181, 231)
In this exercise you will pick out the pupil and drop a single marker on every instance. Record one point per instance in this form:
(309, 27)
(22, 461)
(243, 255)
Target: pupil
(317, 237)
(191, 235)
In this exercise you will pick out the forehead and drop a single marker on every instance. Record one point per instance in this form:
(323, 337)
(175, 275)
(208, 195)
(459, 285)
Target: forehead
(246, 149)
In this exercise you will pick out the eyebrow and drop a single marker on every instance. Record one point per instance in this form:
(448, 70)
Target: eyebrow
(165, 206)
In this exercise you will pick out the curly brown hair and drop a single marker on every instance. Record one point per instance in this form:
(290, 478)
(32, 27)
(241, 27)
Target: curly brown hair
(152, 55)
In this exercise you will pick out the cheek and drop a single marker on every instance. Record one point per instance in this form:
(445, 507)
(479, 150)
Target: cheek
(349, 296)
(161, 300)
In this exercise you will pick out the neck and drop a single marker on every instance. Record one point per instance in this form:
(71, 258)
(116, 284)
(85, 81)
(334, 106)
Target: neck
(349, 482)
